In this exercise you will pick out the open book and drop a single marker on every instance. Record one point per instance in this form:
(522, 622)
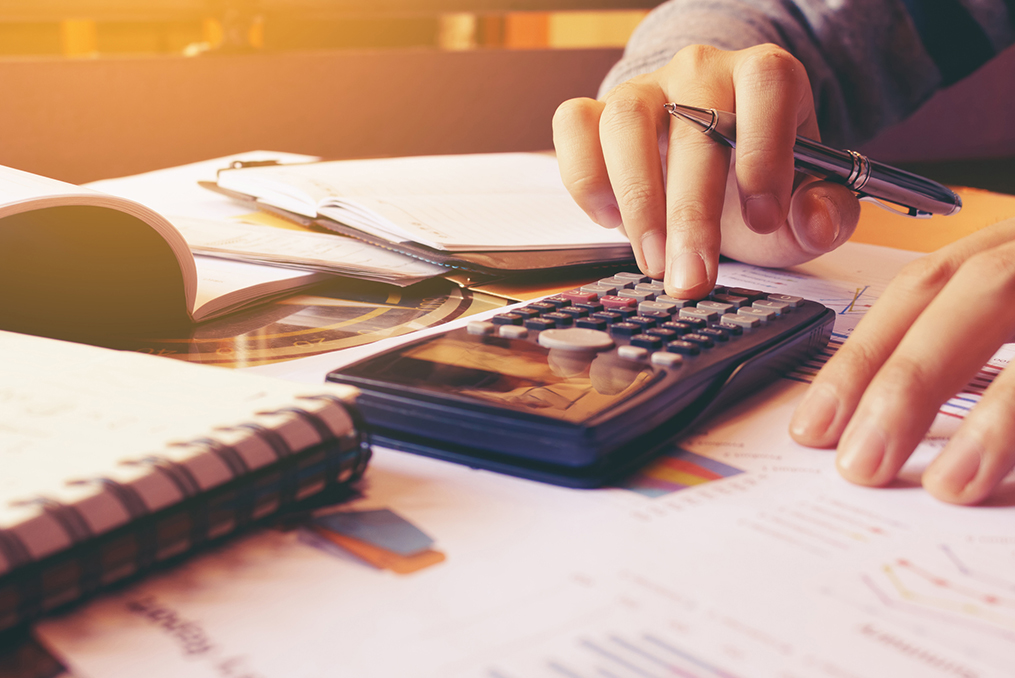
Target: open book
(76, 262)
(447, 207)
(216, 226)
(115, 461)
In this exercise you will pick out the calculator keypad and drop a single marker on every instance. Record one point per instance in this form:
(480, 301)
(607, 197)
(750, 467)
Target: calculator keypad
(633, 313)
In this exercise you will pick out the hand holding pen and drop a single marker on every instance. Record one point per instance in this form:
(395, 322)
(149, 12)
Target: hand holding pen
(682, 198)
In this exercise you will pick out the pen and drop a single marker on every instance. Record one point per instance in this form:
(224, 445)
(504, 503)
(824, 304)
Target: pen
(870, 180)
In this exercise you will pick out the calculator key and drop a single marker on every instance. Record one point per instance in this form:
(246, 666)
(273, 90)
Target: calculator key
(664, 359)
(619, 283)
(795, 302)
(608, 316)
(625, 329)
(731, 299)
(591, 324)
(559, 319)
(508, 319)
(612, 302)
(693, 322)
(659, 316)
(699, 339)
(702, 314)
(664, 333)
(679, 303)
(599, 290)
(717, 306)
(779, 307)
(717, 334)
(743, 321)
(573, 311)
(752, 295)
(539, 324)
(637, 277)
(513, 332)
(528, 312)
(480, 327)
(636, 295)
(655, 306)
(626, 311)
(646, 323)
(761, 314)
(558, 301)
(595, 307)
(632, 353)
(680, 327)
(576, 296)
(653, 287)
(718, 289)
(576, 339)
(647, 341)
(542, 307)
(683, 347)
(734, 330)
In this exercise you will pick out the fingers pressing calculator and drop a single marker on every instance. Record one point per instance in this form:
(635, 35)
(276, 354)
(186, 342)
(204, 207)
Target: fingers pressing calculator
(582, 387)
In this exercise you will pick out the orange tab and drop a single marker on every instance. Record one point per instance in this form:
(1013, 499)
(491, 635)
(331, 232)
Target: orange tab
(382, 558)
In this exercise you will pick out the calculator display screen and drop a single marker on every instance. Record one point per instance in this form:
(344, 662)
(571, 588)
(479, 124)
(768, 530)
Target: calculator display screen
(567, 385)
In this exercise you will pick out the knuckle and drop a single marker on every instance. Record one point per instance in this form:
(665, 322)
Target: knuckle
(687, 217)
(695, 57)
(637, 197)
(994, 267)
(907, 379)
(625, 108)
(923, 275)
(583, 183)
(768, 65)
(575, 113)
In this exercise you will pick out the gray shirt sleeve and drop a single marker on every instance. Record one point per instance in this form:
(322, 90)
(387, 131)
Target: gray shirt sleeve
(871, 62)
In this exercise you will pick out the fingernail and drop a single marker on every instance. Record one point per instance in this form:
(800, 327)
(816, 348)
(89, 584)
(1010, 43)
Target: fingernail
(762, 213)
(814, 416)
(688, 271)
(653, 248)
(957, 465)
(608, 216)
(823, 225)
(862, 452)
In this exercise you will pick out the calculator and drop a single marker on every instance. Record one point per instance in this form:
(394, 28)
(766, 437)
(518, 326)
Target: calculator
(585, 386)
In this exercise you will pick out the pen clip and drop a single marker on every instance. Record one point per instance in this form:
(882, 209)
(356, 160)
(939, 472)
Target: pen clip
(902, 209)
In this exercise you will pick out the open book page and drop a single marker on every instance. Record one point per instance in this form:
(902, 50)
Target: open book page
(225, 286)
(175, 191)
(213, 224)
(500, 201)
(22, 192)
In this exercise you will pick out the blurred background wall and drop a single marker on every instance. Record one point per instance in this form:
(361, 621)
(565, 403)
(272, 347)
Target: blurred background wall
(100, 88)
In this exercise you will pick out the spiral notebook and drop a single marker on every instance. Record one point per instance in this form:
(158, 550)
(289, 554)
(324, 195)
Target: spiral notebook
(111, 462)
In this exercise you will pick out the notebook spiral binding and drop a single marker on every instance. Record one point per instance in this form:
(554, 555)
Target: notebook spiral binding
(31, 587)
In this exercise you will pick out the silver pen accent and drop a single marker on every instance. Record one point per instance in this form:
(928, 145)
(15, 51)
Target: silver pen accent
(870, 180)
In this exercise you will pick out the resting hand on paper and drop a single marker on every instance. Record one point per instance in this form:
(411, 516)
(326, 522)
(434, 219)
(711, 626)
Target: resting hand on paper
(677, 194)
(937, 323)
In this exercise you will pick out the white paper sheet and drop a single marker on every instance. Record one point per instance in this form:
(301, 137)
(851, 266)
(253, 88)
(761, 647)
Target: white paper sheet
(774, 568)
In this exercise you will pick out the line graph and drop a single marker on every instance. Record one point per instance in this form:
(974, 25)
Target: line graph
(947, 590)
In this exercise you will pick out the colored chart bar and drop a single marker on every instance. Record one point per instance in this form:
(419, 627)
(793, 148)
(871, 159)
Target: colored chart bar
(677, 470)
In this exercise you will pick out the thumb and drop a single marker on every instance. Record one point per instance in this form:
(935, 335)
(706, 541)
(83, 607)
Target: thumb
(823, 216)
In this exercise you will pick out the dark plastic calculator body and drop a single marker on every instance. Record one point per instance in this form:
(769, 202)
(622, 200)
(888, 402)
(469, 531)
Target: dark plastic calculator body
(585, 386)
